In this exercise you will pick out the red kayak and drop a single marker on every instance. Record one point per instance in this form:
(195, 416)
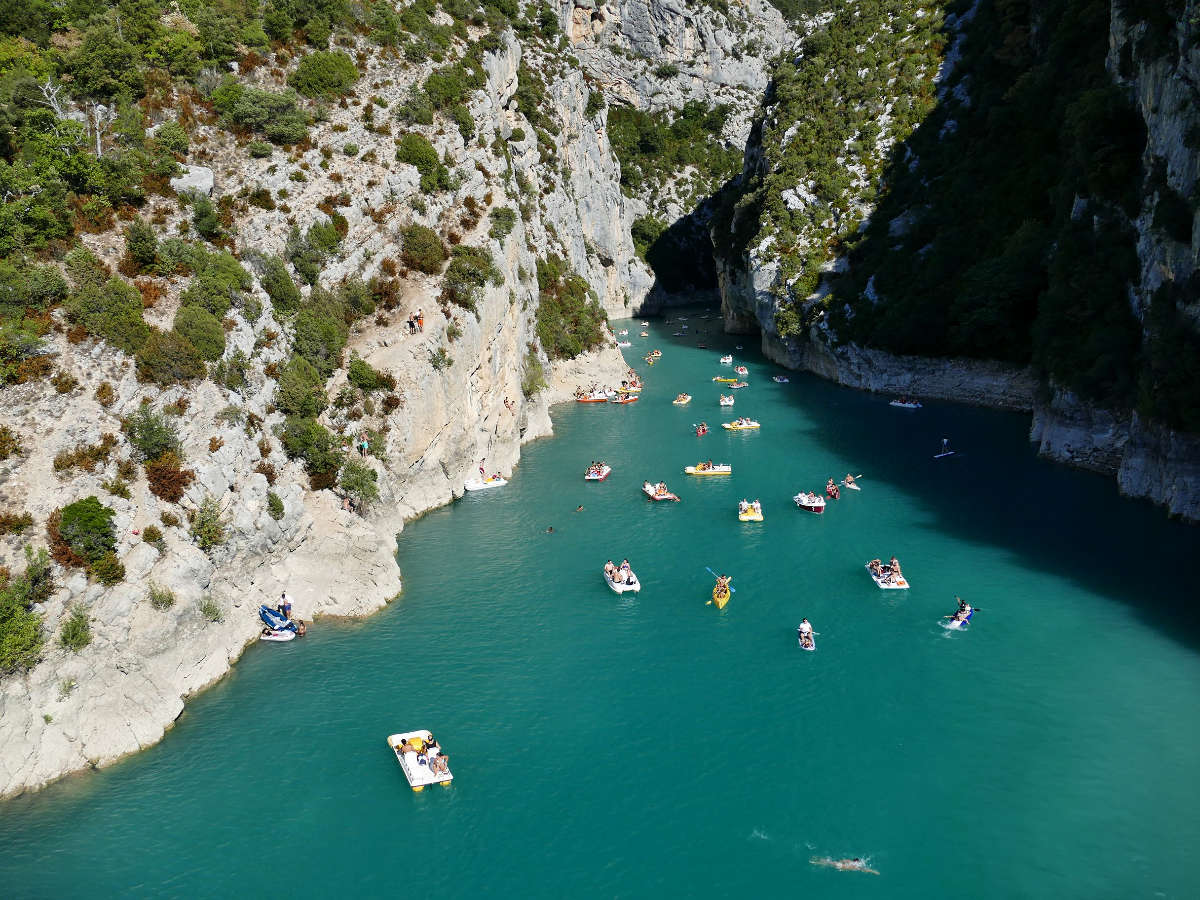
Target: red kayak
(702, 431)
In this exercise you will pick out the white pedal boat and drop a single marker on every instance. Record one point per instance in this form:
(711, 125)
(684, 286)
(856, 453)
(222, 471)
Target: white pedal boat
(417, 772)
(619, 587)
(741, 370)
(780, 379)
(624, 344)
(887, 582)
(273, 634)
(476, 484)
(599, 475)
(727, 360)
(623, 332)
(740, 425)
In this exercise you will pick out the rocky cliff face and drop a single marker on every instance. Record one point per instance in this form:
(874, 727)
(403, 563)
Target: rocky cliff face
(119, 694)
(1148, 459)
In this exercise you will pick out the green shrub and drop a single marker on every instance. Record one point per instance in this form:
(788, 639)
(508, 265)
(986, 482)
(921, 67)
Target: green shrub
(367, 379)
(309, 440)
(259, 149)
(151, 434)
(275, 115)
(20, 626)
(160, 597)
(220, 283)
(14, 523)
(208, 524)
(152, 534)
(301, 389)
(274, 506)
(113, 311)
(107, 569)
(350, 150)
(203, 329)
(324, 74)
(461, 117)
(440, 359)
(169, 358)
(595, 103)
(87, 529)
(359, 483)
(533, 374)
(469, 270)
(415, 150)
(210, 609)
(76, 630)
(569, 318)
(205, 219)
(172, 136)
(278, 284)
(666, 70)
(321, 331)
(422, 249)
(141, 244)
(503, 219)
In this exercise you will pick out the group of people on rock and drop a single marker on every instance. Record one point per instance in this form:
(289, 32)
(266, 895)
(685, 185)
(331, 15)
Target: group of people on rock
(889, 572)
(621, 574)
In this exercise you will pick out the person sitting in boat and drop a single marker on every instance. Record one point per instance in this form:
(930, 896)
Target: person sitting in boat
(804, 632)
(757, 505)
(723, 584)
(876, 566)
(895, 564)
(610, 570)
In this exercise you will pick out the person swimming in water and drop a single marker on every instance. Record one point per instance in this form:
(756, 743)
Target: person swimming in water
(844, 865)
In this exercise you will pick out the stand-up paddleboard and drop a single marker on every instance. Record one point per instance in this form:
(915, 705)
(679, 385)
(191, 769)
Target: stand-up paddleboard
(946, 451)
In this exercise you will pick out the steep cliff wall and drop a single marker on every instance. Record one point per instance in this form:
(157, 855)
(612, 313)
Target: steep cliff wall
(120, 692)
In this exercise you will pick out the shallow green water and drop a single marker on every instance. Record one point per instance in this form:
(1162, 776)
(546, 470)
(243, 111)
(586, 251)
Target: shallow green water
(605, 746)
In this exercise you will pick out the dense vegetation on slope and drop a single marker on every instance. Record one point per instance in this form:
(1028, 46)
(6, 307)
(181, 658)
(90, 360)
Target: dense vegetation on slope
(1003, 227)
(994, 255)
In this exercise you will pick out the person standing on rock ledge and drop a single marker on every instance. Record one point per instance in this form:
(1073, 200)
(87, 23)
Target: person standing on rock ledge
(420, 320)
(285, 605)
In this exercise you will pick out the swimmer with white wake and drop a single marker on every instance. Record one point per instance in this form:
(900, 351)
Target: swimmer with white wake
(844, 865)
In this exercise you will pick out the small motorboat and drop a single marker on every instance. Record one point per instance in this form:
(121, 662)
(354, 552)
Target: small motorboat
(727, 400)
(814, 503)
(417, 754)
(701, 430)
(780, 379)
(620, 587)
(623, 332)
(594, 397)
(727, 360)
(960, 619)
(645, 324)
(483, 484)
(741, 370)
(887, 579)
(905, 403)
(740, 425)
(597, 473)
(625, 398)
(749, 512)
(644, 334)
(624, 344)
(738, 385)
(275, 634)
(682, 400)
(657, 491)
(703, 468)
(724, 380)
(656, 353)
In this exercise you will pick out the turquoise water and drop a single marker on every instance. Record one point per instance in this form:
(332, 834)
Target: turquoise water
(607, 746)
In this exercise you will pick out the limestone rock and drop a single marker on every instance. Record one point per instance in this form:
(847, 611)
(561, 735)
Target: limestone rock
(195, 179)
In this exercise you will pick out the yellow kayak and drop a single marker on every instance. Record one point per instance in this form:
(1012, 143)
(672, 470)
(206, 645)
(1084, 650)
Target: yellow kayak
(726, 380)
(737, 426)
(720, 597)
